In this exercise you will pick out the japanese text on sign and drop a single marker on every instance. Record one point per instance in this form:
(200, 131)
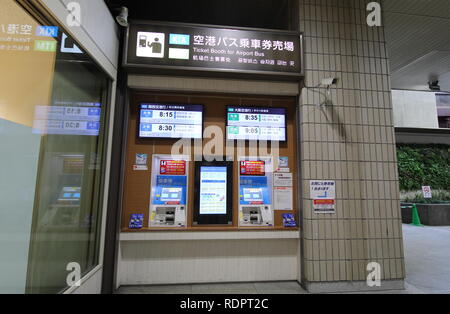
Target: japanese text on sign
(323, 194)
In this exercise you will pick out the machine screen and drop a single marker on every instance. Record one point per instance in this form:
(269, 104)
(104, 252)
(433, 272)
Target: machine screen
(213, 190)
(253, 195)
(171, 194)
(254, 190)
(170, 190)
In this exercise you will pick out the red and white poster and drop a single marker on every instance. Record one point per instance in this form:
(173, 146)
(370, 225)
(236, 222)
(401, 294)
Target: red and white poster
(323, 194)
(172, 167)
(252, 168)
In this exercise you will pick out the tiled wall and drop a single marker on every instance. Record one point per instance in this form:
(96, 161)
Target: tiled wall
(351, 142)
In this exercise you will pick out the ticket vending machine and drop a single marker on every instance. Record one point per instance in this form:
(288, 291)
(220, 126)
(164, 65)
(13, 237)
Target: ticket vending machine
(255, 192)
(169, 191)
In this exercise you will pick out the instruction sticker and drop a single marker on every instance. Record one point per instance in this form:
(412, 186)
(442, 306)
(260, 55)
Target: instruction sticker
(283, 162)
(141, 159)
(140, 167)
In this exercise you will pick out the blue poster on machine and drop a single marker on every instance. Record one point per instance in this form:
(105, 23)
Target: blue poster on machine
(170, 190)
(254, 191)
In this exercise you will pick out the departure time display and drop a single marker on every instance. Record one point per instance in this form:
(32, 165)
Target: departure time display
(171, 121)
(253, 123)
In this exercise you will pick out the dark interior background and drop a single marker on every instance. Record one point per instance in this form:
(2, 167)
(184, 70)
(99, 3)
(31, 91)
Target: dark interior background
(270, 14)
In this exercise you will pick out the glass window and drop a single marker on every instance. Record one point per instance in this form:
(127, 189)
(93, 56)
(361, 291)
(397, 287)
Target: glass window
(52, 134)
(443, 109)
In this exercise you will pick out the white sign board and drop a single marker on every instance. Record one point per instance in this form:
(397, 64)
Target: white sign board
(426, 190)
(282, 179)
(282, 198)
(323, 195)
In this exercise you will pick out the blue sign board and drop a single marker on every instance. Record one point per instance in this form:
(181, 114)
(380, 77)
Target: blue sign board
(254, 190)
(170, 189)
(47, 31)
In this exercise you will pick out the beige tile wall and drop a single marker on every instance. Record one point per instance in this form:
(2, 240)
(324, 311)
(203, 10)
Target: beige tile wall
(351, 142)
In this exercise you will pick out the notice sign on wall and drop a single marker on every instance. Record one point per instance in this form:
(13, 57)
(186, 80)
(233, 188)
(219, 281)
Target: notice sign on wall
(282, 198)
(323, 194)
(282, 179)
(198, 48)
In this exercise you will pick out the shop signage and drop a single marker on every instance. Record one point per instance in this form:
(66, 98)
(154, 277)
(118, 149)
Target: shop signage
(186, 47)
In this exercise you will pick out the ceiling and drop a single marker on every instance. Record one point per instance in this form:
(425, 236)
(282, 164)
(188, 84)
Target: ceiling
(272, 14)
(417, 31)
(418, 41)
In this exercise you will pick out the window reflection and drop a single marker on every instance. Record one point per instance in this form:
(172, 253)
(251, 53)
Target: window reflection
(443, 109)
(52, 133)
(68, 119)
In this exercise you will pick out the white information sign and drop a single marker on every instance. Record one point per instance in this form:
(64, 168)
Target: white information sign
(282, 198)
(426, 190)
(323, 195)
(282, 179)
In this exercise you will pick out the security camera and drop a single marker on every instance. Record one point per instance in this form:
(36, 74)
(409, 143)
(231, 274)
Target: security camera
(329, 81)
(122, 18)
(434, 85)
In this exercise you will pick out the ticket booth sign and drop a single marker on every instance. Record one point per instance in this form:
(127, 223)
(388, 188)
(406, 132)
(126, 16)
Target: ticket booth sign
(192, 49)
(172, 167)
(252, 168)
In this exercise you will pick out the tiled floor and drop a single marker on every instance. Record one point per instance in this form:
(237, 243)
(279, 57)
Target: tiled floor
(289, 287)
(427, 256)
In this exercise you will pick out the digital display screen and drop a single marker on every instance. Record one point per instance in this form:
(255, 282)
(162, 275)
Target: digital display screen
(253, 195)
(171, 121)
(256, 124)
(213, 190)
(170, 190)
(254, 190)
(171, 194)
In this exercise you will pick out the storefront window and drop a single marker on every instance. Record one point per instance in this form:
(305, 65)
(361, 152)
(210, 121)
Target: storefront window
(52, 133)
